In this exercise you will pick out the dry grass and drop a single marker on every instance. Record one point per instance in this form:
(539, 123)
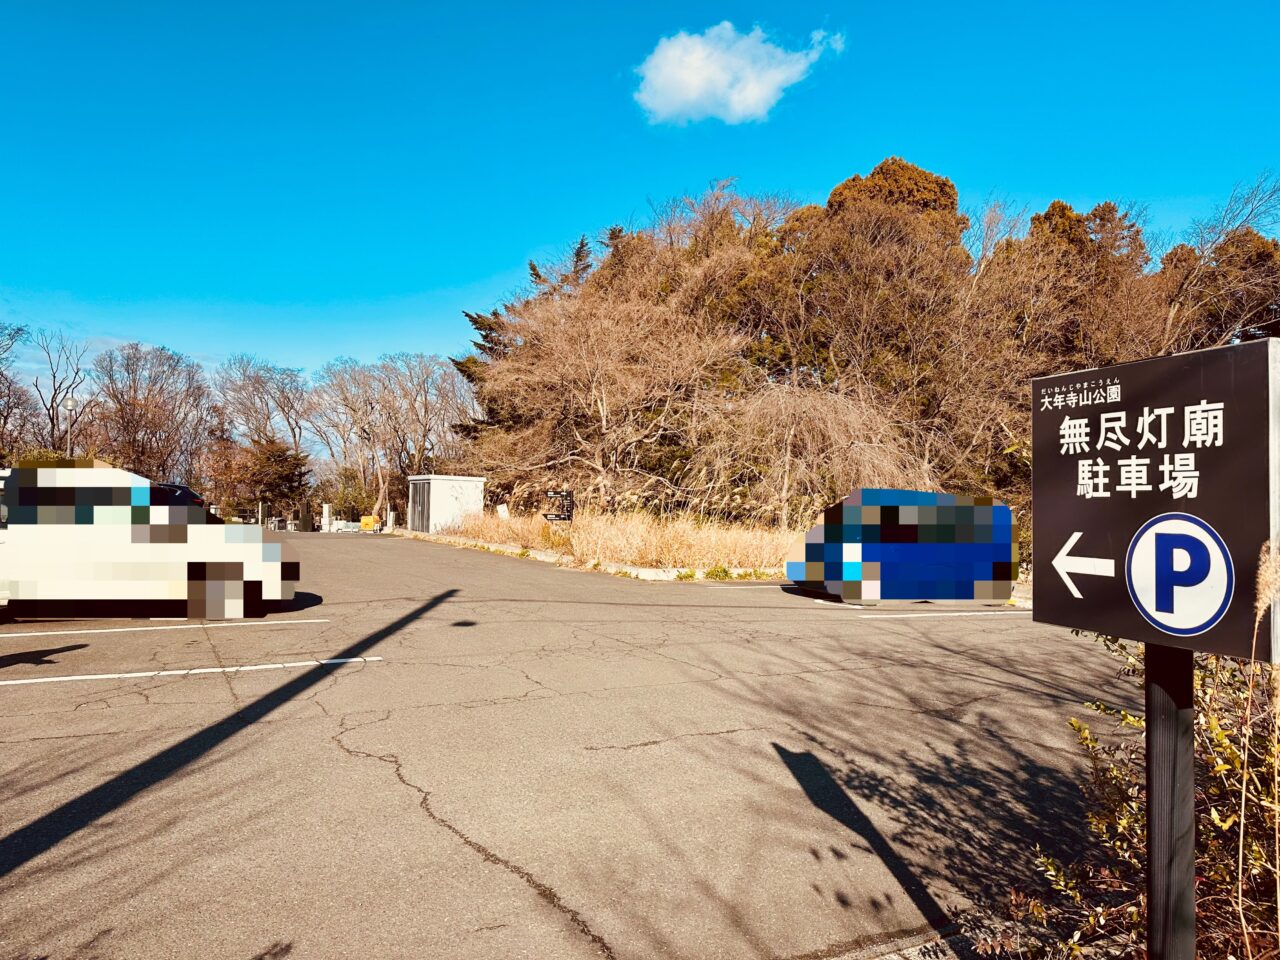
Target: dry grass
(638, 539)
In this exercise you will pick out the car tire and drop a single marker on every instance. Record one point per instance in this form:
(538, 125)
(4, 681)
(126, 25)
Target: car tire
(254, 605)
(196, 602)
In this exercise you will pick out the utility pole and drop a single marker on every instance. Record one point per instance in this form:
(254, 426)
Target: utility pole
(69, 405)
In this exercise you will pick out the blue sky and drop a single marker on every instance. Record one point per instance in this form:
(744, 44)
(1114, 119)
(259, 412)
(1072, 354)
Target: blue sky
(308, 180)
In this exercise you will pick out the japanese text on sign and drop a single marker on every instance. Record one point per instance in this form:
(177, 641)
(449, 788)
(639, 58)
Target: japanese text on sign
(1153, 430)
(1083, 393)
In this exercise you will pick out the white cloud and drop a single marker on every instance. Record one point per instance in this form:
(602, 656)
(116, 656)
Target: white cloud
(721, 73)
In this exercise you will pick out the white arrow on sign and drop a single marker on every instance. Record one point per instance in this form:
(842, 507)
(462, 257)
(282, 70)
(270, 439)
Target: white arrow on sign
(1066, 564)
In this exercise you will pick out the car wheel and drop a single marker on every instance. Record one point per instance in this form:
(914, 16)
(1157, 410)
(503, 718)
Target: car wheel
(197, 592)
(254, 605)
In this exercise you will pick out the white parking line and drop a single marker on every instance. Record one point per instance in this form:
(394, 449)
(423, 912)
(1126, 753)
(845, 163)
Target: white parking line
(183, 626)
(835, 605)
(189, 672)
(950, 613)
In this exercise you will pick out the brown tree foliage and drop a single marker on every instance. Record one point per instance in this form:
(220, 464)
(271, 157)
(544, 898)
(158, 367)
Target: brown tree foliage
(66, 377)
(155, 413)
(263, 402)
(744, 357)
(19, 414)
(385, 421)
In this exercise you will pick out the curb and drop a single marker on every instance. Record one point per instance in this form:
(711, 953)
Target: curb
(567, 560)
(1021, 590)
(957, 946)
(1022, 595)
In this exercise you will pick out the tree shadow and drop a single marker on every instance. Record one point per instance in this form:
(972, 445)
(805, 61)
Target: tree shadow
(943, 751)
(44, 833)
(965, 772)
(37, 658)
(969, 813)
(828, 796)
(275, 951)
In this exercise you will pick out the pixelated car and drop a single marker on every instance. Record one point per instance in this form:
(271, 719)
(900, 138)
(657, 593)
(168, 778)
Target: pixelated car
(83, 538)
(4, 516)
(909, 545)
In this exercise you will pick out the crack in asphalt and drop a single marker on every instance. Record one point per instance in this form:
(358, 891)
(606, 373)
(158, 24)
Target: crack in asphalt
(545, 892)
(217, 658)
(678, 736)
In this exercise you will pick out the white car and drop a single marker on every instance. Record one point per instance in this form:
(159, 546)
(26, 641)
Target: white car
(83, 538)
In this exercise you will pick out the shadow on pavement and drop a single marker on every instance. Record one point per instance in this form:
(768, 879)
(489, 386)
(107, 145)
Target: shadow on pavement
(41, 835)
(828, 796)
(304, 601)
(793, 590)
(37, 658)
(936, 751)
(276, 951)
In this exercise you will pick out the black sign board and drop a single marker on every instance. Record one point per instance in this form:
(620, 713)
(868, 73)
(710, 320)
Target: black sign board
(1155, 485)
(1154, 488)
(563, 510)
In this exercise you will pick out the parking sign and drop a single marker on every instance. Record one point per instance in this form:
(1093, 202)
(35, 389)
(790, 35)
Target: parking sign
(1154, 488)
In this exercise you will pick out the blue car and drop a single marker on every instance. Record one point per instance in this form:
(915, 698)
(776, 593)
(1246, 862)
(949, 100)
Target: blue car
(909, 545)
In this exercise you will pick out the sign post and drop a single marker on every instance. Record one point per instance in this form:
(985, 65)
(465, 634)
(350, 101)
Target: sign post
(1171, 803)
(562, 511)
(1155, 485)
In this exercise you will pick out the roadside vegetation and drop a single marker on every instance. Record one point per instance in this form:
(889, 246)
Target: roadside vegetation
(1095, 905)
(749, 359)
(741, 359)
(640, 539)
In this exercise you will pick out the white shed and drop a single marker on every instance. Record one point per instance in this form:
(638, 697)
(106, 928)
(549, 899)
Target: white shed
(438, 501)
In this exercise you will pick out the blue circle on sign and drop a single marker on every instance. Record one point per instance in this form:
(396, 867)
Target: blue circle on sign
(1209, 596)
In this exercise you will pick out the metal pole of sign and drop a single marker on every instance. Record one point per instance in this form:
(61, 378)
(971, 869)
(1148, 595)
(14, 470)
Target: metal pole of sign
(1171, 838)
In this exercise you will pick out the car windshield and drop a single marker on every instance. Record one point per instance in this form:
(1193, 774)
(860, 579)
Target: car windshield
(176, 495)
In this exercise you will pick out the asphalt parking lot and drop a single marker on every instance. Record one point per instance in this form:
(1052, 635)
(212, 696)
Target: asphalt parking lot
(446, 753)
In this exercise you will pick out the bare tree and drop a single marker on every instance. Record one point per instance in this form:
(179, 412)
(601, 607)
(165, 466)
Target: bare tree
(65, 375)
(11, 334)
(156, 410)
(18, 410)
(1251, 210)
(333, 424)
(783, 453)
(19, 415)
(291, 396)
(603, 387)
(419, 399)
(264, 402)
(385, 421)
(346, 415)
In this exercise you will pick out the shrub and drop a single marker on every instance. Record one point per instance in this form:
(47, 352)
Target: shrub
(1096, 906)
